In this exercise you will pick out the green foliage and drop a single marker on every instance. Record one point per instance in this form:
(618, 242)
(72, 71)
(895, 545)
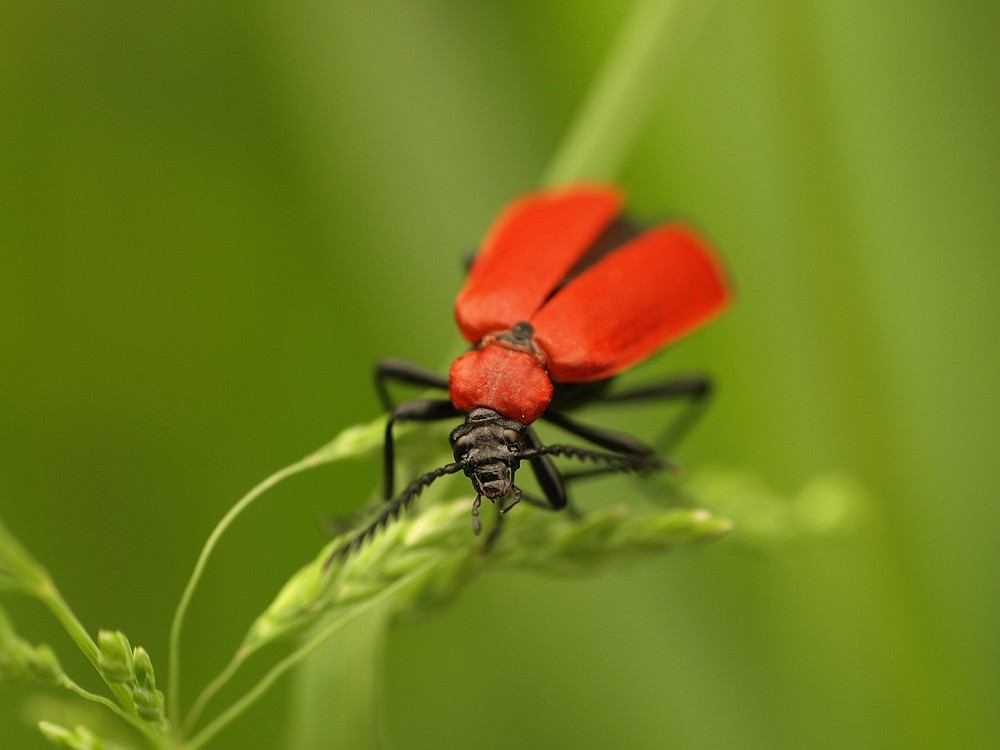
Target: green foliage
(828, 504)
(18, 570)
(20, 660)
(128, 672)
(79, 738)
(419, 561)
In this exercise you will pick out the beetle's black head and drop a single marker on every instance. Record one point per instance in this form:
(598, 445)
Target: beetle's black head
(486, 446)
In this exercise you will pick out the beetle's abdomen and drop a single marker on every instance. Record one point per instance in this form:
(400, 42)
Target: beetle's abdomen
(509, 381)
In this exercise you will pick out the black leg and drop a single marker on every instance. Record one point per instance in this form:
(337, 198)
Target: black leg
(613, 441)
(548, 476)
(401, 371)
(417, 410)
(554, 482)
(695, 389)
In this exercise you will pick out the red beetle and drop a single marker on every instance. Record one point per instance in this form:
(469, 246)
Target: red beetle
(563, 295)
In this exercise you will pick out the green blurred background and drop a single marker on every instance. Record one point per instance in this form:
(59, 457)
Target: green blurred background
(214, 217)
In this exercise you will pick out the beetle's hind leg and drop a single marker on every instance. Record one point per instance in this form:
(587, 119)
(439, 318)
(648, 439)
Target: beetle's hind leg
(694, 389)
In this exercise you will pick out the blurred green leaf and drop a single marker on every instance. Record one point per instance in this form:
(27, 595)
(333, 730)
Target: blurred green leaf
(20, 660)
(79, 738)
(827, 504)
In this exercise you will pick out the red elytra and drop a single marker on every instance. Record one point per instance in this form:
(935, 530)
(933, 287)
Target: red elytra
(643, 295)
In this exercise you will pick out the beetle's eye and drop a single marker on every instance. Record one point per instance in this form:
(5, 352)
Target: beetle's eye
(513, 440)
(462, 445)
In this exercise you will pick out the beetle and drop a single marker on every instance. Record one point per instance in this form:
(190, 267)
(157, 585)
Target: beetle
(563, 295)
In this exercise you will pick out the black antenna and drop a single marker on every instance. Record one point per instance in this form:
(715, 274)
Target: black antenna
(638, 463)
(392, 510)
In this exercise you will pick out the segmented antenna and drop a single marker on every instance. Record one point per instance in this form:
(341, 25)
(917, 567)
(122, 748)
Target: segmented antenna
(392, 511)
(638, 463)
(623, 462)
